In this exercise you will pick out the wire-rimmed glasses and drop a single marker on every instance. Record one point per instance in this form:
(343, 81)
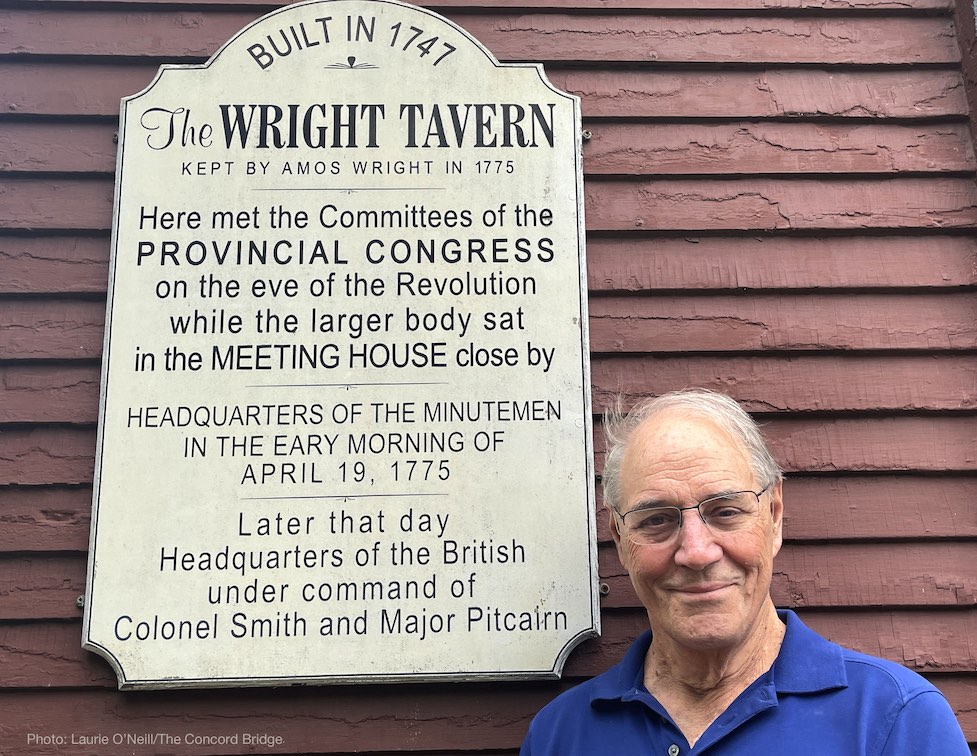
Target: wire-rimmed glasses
(723, 513)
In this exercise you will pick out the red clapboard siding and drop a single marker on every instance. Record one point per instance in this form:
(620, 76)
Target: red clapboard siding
(39, 654)
(41, 587)
(90, 89)
(36, 653)
(796, 383)
(31, 393)
(46, 455)
(939, 443)
(846, 575)
(904, 637)
(762, 322)
(618, 37)
(906, 94)
(45, 518)
(774, 148)
(935, 444)
(76, 89)
(615, 149)
(714, 39)
(62, 329)
(35, 203)
(53, 264)
(778, 262)
(880, 506)
(961, 693)
(59, 147)
(752, 204)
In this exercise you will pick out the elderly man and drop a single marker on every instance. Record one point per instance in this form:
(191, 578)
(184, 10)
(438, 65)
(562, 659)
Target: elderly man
(696, 512)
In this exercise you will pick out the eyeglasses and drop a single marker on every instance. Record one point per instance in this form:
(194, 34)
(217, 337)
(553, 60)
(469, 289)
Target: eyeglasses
(726, 513)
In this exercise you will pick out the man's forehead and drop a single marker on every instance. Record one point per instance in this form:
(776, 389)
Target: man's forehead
(674, 435)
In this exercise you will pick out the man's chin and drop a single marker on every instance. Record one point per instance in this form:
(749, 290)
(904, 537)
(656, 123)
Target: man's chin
(707, 626)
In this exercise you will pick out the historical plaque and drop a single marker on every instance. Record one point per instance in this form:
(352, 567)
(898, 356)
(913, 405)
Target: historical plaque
(345, 416)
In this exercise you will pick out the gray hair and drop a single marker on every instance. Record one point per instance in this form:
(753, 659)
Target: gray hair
(716, 407)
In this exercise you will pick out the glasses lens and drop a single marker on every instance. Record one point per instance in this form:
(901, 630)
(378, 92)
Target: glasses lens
(652, 525)
(732, 512)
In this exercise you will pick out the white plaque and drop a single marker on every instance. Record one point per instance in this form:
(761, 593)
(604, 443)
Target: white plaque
(345, 418)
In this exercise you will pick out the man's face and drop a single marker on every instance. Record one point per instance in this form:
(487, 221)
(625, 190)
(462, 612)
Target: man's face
(703, 590)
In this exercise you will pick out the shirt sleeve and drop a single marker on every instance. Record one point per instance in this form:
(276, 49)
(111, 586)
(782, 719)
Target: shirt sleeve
(926, 726)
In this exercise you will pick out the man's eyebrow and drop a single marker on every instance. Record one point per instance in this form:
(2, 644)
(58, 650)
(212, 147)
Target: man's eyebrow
(726, 492)
(651, 504)
(658, 503)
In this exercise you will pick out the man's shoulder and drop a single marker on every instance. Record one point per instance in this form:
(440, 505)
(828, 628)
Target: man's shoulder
(578, 700)
(575, 721)
(810, 663)
(574, 710)
(884, 675)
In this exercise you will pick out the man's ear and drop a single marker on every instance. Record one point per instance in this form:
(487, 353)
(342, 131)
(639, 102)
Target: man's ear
(776, 492)
(613, 526)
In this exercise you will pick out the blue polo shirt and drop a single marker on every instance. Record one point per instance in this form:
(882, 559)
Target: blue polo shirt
(817, 698)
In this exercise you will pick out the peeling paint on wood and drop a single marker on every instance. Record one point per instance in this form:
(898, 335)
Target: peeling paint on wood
(40, 329)
(618, 37)
(774, 322)
(779, 383)
(86, 89)
(45, 518)
(754, 204)
(53, 265)
(937, 444)
(780, 93)
(775, 148)
(778, 262)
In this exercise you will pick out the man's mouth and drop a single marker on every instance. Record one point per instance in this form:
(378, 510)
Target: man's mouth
(703, 589)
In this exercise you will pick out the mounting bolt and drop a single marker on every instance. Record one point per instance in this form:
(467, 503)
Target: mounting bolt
(80, 601)
(587, 135)
(604, 589)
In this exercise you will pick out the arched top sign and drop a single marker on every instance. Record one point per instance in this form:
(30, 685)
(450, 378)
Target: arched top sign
(345, 416)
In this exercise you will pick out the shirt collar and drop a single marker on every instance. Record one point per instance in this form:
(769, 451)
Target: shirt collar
(807, 663)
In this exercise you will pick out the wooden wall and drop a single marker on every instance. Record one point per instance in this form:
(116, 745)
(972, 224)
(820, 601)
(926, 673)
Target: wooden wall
(780, 203)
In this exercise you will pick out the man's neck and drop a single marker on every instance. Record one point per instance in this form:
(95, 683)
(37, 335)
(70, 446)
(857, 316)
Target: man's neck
(697, 685)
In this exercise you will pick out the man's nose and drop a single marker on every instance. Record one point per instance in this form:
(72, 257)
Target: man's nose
(697, 544)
